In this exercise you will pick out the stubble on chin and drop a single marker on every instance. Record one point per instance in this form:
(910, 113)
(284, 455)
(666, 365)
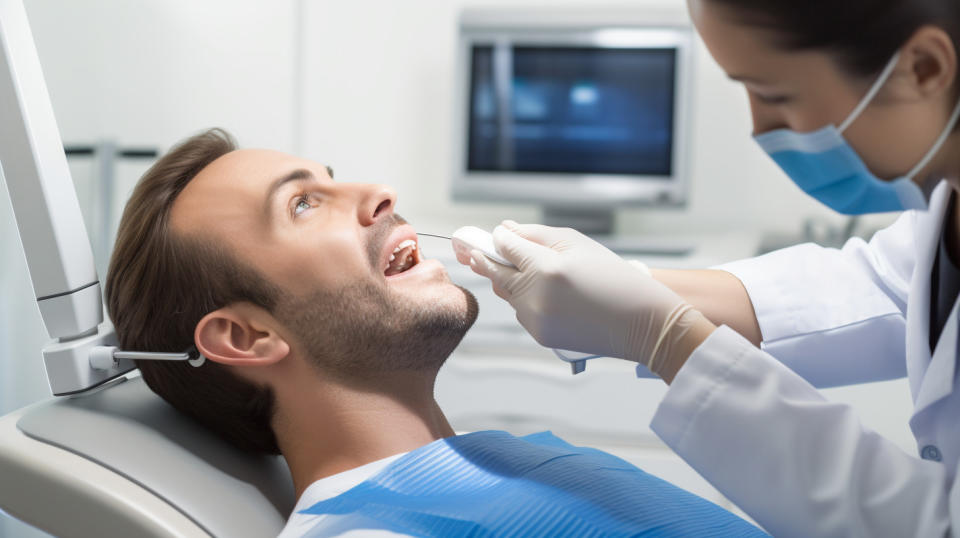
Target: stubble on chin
(365, 331)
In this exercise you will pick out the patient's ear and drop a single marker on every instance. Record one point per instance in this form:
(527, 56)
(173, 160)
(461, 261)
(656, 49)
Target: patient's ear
(240, 334)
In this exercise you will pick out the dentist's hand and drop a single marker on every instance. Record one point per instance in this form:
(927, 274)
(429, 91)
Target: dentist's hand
(572, 293)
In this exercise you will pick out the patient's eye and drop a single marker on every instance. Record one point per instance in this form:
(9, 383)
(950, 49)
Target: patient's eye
(302, 205)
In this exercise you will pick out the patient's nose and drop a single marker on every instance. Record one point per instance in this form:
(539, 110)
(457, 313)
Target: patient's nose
(377, 203)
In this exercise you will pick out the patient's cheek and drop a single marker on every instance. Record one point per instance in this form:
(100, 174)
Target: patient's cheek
(329, 265)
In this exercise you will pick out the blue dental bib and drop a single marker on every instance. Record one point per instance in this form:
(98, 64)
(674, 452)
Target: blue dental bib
(491, 483)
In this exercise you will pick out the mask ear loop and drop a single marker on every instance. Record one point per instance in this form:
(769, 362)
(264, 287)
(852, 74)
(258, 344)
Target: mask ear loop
(874, 90)
(938, 144)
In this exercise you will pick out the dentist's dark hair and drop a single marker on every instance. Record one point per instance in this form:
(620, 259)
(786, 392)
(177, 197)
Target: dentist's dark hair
(863, 34)
(161, 283)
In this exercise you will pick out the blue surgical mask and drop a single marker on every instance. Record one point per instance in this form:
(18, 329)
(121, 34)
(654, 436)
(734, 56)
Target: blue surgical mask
(825, 166)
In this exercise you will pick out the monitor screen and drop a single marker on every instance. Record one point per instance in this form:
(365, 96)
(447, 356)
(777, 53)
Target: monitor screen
(572, 110)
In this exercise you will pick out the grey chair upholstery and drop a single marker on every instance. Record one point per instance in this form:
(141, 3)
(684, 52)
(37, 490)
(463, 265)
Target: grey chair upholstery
(139, 440)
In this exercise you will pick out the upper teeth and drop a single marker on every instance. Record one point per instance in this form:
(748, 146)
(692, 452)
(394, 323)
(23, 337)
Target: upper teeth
(403, 244)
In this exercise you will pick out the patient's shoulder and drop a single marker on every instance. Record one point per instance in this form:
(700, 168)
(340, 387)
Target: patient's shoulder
(326, 488)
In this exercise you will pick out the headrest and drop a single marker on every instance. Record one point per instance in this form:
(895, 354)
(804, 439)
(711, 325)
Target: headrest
(130, 430)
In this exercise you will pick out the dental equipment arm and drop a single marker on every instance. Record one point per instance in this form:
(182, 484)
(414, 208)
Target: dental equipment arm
(118, 461)
(49, 222)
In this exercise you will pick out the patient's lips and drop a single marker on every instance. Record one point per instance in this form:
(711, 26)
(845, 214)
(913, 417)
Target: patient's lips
(401, 259)
(389, 247)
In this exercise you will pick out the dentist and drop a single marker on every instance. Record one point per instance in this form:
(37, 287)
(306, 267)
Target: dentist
(858, 103)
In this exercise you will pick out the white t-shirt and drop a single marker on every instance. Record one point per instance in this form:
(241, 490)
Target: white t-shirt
(329, 487)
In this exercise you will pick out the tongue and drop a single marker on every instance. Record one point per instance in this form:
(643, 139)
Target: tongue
(400, 263)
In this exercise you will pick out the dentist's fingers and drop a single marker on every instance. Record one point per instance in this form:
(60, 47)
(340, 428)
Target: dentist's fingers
(538, 233)
(500, 275)
(517, 250)
(462, 258)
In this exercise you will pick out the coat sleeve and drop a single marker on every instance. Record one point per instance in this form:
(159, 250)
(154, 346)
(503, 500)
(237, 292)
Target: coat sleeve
(835, 316)
(797, 463)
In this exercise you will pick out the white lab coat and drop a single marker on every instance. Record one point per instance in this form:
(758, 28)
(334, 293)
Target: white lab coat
(756, 427)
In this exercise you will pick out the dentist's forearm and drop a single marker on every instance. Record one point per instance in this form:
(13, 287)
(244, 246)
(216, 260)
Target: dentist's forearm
(718, 295)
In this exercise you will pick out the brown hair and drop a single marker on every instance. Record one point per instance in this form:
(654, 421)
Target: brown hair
(160, 284)
(863, 35)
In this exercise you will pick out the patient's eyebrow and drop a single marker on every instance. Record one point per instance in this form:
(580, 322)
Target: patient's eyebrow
(300, 174)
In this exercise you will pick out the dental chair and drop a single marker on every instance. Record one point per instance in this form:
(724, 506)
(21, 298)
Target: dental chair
(104, 456)
(119, 461)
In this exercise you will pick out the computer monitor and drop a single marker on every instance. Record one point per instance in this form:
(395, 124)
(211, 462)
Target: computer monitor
(578, 120)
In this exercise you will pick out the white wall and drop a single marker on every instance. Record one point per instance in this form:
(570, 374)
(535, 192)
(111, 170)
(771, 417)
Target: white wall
(378, 102)
(144, 73)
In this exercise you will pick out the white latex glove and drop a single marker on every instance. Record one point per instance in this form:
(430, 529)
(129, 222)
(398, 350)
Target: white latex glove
(571, 292)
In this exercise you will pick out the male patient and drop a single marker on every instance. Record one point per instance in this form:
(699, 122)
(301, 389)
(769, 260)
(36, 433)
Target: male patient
(324, 329)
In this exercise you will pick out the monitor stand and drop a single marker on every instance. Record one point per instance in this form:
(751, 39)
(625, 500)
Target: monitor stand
(598, 224)
(590, 221)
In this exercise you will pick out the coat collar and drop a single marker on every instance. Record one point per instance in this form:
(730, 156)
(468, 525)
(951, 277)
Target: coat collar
(938, 378)
(931, 377)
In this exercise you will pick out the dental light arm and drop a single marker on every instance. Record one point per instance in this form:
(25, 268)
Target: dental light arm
(49, 222)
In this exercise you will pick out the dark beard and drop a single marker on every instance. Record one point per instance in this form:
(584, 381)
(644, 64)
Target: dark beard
(364, 332)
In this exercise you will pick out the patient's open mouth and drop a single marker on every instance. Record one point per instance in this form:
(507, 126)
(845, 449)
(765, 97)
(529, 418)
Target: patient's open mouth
(405, 256)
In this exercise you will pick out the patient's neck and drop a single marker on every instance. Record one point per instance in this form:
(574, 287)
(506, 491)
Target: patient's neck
(326, 427)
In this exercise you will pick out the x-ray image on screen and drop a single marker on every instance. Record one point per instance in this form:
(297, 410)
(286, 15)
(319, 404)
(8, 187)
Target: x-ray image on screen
(573, 110)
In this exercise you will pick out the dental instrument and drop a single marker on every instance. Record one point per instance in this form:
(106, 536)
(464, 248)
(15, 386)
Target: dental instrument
(469, 238)
(447, 237)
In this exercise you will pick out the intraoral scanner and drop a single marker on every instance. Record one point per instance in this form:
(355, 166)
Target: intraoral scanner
(469, 238)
